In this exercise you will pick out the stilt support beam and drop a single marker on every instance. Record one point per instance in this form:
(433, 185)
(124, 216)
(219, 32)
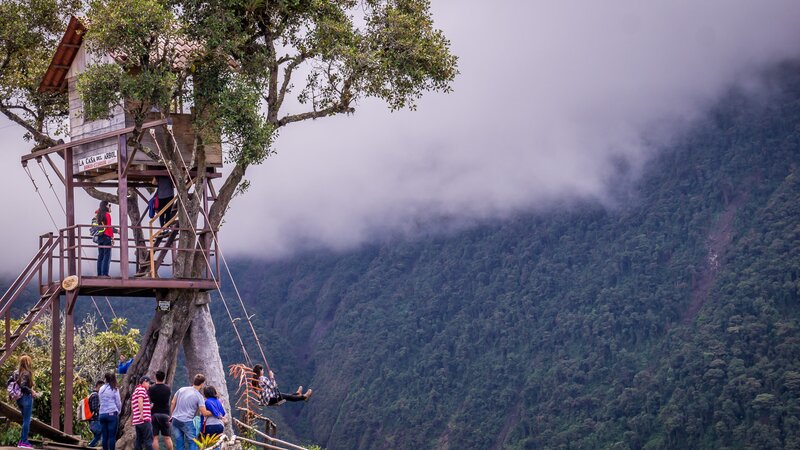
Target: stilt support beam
(55, 364)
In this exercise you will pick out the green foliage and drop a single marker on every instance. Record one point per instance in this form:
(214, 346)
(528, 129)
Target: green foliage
(95, 354)
(131, 30)
(100, 87)
(30, 31)
(139, 36)
(96, 351)
(248, 135)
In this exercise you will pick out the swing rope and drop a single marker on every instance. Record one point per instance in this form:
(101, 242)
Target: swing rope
(222, 256)
(46, 208)
(196, 244)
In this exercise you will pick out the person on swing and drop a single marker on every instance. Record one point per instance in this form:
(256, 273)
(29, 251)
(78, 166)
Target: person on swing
(270, 395)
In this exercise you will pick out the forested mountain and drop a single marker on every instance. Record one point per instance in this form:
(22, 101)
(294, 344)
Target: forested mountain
(669, 322)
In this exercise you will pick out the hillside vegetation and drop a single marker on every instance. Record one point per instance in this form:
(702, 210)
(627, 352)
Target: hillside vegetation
(669, 322)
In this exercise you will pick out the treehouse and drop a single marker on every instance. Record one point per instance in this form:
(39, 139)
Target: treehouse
(143, 253)
(96, 159)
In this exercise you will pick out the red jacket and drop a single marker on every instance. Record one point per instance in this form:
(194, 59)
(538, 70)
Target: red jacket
(108, 230)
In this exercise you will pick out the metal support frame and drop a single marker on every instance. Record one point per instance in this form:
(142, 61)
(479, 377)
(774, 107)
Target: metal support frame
(69, 358)
(55, 364)
(122, 193)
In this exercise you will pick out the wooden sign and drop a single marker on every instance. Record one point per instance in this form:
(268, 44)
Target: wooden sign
(98, 160)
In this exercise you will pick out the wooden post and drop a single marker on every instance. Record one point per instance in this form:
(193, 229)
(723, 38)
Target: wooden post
(69, 356)
(55, 364)
(8, 330)
(70, 211)
(122, 193)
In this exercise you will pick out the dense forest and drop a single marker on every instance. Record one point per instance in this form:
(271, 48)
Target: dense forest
(669, 319)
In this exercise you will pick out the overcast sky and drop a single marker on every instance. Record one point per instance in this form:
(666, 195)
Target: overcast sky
(550, 95)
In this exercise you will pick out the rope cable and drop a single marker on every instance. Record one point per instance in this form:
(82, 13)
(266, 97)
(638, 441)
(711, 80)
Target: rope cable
(36, 188)
(222, 255)
(83, 250)
(55, 194)
(205, 257)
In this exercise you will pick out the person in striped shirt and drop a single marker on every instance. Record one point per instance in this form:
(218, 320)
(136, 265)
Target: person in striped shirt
(140, 408)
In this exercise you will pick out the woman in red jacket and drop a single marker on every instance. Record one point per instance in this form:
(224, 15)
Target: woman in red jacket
(104, 240)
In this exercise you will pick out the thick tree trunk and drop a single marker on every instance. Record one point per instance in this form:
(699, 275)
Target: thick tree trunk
(202, 352)
(159, 351)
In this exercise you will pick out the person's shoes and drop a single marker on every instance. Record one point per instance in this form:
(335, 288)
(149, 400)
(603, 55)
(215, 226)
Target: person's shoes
(299, 391)
(308, 394)
(21, 444)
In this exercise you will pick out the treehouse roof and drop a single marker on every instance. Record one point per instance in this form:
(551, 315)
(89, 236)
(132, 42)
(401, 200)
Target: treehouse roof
(55, 79)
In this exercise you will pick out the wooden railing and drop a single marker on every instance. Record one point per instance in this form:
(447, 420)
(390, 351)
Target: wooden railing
(75, 244)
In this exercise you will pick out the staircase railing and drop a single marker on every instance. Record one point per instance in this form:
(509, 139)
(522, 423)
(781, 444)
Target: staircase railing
(18, 286)
(47, 293)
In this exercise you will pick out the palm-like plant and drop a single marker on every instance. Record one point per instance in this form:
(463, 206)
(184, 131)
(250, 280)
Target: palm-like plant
(205, 441)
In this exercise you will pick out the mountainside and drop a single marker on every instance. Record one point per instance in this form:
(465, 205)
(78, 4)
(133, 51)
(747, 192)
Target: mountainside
(669, 322)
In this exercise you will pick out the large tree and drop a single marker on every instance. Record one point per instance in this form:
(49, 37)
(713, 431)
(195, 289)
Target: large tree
(248, 57)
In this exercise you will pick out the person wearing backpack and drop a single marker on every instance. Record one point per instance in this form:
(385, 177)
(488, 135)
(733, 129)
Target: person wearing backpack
(94, 407)
(104, 238)
(23, 376)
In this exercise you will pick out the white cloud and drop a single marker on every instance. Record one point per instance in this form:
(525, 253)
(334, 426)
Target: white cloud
(550, 95)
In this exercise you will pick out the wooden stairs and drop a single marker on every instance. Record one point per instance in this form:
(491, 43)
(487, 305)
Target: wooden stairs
(53, 291)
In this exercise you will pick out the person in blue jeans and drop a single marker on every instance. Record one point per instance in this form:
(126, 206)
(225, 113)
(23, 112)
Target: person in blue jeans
(24, 378)
(186, 403)
(214, 424)
(104, 239)
(110, 406)
(94, 406)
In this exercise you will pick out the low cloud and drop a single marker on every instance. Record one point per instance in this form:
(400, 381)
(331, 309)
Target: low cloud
(551, 98)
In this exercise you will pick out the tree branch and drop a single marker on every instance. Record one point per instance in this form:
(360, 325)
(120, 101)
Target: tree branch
(329, 111)
(38, 135)
(342, 106)
(272, 98)
(102, 196)
(226, 194)
(287, 77)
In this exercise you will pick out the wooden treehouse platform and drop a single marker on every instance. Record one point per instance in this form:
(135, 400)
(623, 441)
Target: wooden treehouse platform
(143, 252)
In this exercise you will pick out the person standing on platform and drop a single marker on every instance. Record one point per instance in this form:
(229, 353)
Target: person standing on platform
(110, 406)
(104, 239)
(159, 397)
(186, 404)
(140, 412)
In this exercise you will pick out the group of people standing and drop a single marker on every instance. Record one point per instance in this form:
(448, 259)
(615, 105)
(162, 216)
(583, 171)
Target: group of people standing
(156, 412)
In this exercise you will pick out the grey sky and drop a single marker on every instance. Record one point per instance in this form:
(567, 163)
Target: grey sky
(550, 94)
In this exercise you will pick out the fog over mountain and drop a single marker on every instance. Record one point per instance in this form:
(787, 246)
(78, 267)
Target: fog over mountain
(552, 99)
